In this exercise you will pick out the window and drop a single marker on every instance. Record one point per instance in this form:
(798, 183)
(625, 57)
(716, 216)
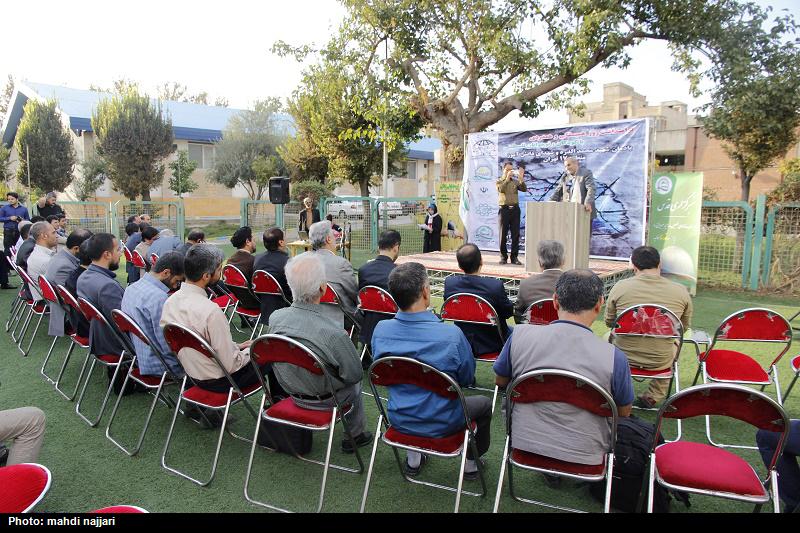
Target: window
(671, 160)
(623, 110)
(203, 154)
(411, 170)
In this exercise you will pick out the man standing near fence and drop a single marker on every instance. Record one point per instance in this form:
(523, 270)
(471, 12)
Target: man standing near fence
(10, 215)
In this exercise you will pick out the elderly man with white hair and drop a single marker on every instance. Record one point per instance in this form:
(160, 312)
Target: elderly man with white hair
(305, 321)
(339, 272)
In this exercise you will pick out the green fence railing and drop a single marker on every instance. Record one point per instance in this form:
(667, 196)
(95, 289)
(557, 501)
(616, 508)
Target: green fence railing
(726, 235)
(163, 215)
(781, 262)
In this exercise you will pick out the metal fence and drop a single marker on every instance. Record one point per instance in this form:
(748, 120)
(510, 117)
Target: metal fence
(404, 215)
(94, 216)
(259, 215)
(726, 230)
(781, 267)
(358, 215)
(163, 215)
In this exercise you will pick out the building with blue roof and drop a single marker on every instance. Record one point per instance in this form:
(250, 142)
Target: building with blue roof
(196, 128)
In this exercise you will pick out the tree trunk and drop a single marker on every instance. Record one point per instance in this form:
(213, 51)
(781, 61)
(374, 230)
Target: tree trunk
(146, 196)
(745, 185)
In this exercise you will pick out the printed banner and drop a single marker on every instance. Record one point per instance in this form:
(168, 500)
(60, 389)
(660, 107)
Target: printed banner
(448, 198)
(677, 200)
(615, 152)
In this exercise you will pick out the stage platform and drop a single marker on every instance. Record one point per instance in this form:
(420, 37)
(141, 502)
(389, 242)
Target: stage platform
(440, 265)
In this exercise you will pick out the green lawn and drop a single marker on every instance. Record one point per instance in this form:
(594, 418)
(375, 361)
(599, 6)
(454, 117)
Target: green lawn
(90, 472)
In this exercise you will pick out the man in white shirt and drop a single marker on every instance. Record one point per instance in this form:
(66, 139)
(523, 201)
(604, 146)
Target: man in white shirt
(44, 235)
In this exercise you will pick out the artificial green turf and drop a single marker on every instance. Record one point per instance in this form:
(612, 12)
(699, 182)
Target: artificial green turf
(90, 472)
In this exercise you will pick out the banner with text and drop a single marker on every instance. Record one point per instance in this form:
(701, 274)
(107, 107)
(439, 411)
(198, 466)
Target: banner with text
(676, 202)
(448, 200)
(615, 152)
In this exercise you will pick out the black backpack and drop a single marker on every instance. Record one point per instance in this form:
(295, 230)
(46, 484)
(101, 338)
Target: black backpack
(631, 470)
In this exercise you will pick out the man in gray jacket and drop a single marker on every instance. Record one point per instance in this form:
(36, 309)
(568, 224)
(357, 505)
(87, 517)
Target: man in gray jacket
(576, 185)
(305, 321)
(58, 270)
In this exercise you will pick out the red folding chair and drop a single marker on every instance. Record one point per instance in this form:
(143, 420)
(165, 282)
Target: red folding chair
(75, 340)
(709, 470)
(724, 365)
(796, 368)
(120, 509)
(18, 305)
(180, 337)
(153, 384)
(111, 360)
(472, 309)
(393, 371)
(237, 283)
(552, 385)
(372, 299)
(331, 297)
(128, 254)
(655, 322)
(541, 313)
(23, 486)
(52, 299)
(279, 349)
(153, 259)
(266, 286)
(35, 308)
(137, 260)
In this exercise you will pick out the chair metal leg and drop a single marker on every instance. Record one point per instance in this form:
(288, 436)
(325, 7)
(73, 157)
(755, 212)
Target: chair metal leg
(71, 396)
(776, 501)
(33, 335)
(20, 333)
(19, 313)
(93, 423)
(328, 460)
(371, 462)
(12, 313)
(46, 359)
(609, 479)
(791, 386)
(461, 470)
(651, 483)
(247, 495)
(503, 464)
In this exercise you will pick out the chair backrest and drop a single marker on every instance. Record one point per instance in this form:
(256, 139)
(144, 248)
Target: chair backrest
(25, 277)
(233, 277)
(153, 259)
(128, 255)
(734, 401)
(69, 299)
(179, 337)
(469, 308)
(541, 312)
(376, 300)
(755, 325)
(11, 262)
(22, 486)
(650, 321)
(47, 290)
(127, 325)
(137, 260)
(330, 297)
(92, 313)
(265, 283)
(280, 349)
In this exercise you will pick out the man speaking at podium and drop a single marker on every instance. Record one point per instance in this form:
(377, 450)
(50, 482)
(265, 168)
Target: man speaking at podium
(576, 185)
(508, 186)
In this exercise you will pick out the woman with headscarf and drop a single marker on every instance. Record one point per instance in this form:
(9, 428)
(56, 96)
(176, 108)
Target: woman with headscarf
(433, 230)
(308, 216)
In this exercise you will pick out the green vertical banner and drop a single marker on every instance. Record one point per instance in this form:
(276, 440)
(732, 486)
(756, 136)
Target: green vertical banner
(676, 202)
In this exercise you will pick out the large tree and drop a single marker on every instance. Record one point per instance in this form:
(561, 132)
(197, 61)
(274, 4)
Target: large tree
(133, 137)
(5, 97)
(249, 136)
(43, 141)
(470, 63)
(755, 100)
(182, 168)
(303, 158)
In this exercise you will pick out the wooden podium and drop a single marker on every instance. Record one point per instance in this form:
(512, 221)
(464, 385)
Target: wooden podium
(566, 222)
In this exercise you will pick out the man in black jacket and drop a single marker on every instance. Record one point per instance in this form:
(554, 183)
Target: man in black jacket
(273, 261)
(376, 273)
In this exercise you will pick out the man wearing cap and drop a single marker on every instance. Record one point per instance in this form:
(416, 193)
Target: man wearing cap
(508, 187)
(10, 215)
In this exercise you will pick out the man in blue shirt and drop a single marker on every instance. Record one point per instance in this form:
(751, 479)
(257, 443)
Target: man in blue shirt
(419, 334)
(558, 430)
(10, 215)
(143, 302)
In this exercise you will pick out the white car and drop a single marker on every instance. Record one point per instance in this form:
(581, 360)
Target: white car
(347, 209)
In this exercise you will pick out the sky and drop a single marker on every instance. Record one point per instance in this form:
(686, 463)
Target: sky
(223, 48)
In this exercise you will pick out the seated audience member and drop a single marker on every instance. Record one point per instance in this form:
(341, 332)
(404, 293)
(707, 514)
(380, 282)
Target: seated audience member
(136, 219)
(541, 286)
(335, 227)
(483, 339)
(149, 235)
(143, 302)
(61, 266)
(25, 249)
(44, 235)
(191, 307)
(55, 221)
(196, 236)
(21, 239)
(166, 242)
(243, 259)
(419, 334)
(306, 322)
(133, 231)
(145, 218)
(559, 430)
(648, 287)
(100, 288)
(788, 469)
(338, 271)
(25, 427)
(273, 261)
(76, 318)
(376, 273)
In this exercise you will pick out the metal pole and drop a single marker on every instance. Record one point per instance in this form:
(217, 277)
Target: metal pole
(385, 186)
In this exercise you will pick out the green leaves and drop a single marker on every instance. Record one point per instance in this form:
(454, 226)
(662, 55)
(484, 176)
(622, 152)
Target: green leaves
(182, 169)
(42, 139)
